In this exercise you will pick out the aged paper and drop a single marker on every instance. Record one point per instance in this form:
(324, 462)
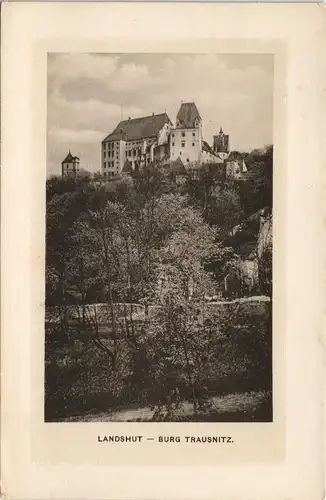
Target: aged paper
(86, 455)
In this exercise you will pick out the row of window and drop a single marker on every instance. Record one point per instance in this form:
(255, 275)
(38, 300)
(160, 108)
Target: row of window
(110, 154)
(110, 145)
(110, 164)
(133, 144)
(183, 144)
(109, 174)
(133, 152)
(183, 134)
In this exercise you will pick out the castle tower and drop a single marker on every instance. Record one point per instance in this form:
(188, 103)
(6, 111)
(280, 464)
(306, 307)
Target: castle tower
(70, 165)
(221, 144)
(186, 137)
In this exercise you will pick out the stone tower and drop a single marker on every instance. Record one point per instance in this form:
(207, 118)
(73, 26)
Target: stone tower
(70, 165)
(186, 137)
(221, 144)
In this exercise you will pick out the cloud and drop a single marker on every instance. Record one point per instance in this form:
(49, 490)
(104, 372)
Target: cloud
(79, 65)
(89, 114)
(74, 136)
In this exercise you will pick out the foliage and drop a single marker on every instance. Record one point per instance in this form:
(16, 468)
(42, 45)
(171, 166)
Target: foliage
(145, 240)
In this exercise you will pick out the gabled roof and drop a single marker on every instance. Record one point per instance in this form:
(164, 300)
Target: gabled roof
(69, 158)
(188, 115)
(127, 168)
(139, 128)
(207, 149)
(177, 167)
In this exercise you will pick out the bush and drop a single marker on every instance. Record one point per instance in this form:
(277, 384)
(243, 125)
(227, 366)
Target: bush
(239, 359)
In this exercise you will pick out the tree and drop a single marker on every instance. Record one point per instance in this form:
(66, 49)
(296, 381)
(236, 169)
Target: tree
(256, 190)
(177, 338)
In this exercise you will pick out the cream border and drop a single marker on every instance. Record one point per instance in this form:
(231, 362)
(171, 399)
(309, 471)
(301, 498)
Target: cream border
(27, 24)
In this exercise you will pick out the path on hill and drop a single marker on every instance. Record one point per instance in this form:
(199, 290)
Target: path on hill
(230, 403)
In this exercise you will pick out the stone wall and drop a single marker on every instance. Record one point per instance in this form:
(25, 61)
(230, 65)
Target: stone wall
(250, 306)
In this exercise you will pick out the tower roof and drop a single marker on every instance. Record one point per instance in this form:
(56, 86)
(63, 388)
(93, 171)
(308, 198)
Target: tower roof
(188, 115)
(138, 128)
(69, 158)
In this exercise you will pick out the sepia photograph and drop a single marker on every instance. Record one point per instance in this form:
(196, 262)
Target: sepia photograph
(159, 215)
(162, 298)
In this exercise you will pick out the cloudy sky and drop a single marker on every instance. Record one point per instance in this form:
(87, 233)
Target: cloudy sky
(86, 91)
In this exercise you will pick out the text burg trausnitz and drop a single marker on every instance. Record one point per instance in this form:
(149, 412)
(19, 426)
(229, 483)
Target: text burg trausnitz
(165, 439)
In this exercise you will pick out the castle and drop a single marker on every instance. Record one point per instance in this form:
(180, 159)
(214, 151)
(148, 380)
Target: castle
(137, 142)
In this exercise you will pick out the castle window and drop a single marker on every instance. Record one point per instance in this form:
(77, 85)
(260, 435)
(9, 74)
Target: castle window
(173, 144)
(193, 143)
(193, 134)
(172, 135)
(183, 143)
(183, 134)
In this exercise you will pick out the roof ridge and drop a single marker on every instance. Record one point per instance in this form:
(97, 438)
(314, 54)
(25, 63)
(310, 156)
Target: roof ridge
(138, 128)
(143, 117)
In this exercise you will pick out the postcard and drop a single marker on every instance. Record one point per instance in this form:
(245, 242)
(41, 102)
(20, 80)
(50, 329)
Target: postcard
(161, 264)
